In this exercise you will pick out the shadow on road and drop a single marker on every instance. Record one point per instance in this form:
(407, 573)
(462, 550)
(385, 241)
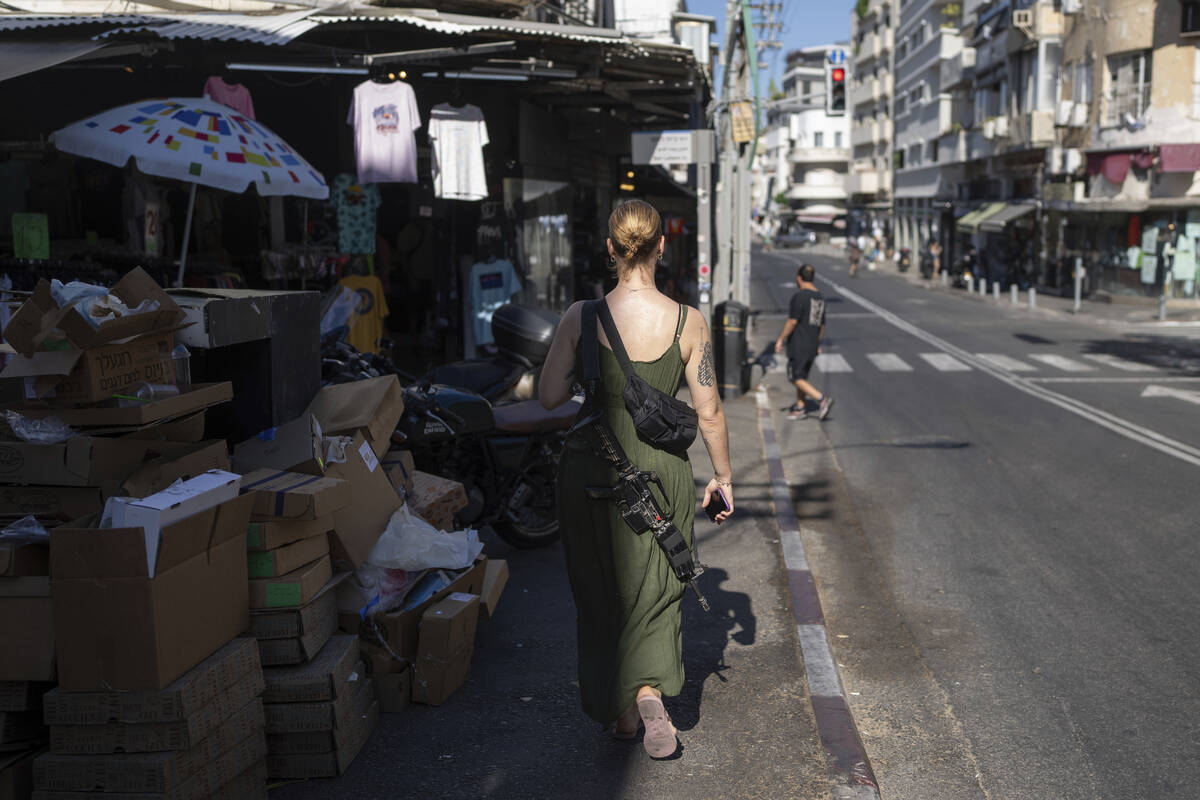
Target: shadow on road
(706, 635)
(1170, 353)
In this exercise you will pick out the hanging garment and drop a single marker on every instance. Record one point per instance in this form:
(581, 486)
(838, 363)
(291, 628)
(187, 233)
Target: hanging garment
(357, 206)
(491, 284)
(458, 134)
(372, 311)
(234, 95)
(384, 116)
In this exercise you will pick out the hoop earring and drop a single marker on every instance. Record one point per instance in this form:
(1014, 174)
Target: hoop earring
(659, 257)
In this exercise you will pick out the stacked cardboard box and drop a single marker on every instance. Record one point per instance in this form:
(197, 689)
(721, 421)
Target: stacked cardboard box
(436, 500)
(319, 714)
(203, 735)
(444, 650)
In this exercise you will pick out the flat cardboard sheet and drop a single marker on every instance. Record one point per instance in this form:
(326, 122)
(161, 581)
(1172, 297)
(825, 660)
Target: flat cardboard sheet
(82, 460)
(327, 765)
(23, 695)
(294, 447)
(268, 533)
(324, 716)
(203, 395)
(282, 560)
(295, 496)
(373, 500)
(49, 503)
(26, 629)
(187, 696)
(326, 677)
(326, 741)
(118, 628)
(292, 623)
(293, 589)
(495, 578)
(373, 407)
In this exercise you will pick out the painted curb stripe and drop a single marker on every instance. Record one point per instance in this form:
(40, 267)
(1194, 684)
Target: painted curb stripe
(849, 768)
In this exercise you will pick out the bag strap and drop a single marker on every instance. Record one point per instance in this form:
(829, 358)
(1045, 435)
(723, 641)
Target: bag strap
(682, 320)
(590, 342)
(614, 339)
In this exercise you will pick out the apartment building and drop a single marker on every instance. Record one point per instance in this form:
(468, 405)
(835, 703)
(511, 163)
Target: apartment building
(819, 156)
(870, 98)
(1125, 190)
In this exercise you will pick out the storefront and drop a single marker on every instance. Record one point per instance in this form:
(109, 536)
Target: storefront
(550, 108)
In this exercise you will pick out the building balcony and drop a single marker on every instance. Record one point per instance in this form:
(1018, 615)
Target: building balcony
(943, 44)
(1032, 130)
(820, 155)
(875, 45)
(866, 182)
(958, 69)
(1038, 21)
(881, 88)
(868, 133)
(808, 191)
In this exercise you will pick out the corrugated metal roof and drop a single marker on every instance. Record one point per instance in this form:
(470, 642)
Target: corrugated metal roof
(22, 22)
(274, 29)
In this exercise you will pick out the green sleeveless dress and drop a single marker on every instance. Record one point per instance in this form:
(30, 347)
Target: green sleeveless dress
(626, 596)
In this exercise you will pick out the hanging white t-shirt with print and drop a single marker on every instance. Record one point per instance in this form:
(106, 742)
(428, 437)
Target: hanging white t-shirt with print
(491, 284)
(458, 134)
(384, 116)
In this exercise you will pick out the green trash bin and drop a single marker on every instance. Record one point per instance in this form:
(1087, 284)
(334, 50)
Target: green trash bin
(731, 348)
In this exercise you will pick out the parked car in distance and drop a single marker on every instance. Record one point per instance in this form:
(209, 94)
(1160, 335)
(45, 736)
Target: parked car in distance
(796, 236)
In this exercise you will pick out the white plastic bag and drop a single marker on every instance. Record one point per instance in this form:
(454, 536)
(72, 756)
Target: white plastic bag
(412, 544)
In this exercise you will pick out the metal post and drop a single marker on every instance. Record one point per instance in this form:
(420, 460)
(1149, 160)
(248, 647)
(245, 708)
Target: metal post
(970, 284)
(1032, 298)
(704, 234)
(996, 290)
(1013, 292)
(945, 279)
(1162, 305)
(982, 286)
(1078, 283)
(187, 234)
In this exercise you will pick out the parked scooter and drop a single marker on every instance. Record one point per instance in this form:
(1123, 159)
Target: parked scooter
(522, 341)
(905, 260)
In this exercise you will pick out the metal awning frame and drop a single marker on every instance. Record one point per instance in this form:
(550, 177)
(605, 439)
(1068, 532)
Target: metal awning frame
(995, 223)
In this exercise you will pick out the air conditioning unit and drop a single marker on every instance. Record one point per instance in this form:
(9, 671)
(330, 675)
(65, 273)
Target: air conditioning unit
(1079, 115)
(1062, 113)
(1022, 20)
(1001, 127)
(1072, 6)
(1072, 160)
(989, 129)
(1054, 159)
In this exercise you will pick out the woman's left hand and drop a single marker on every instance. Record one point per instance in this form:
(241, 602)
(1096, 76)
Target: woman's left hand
(726, 490)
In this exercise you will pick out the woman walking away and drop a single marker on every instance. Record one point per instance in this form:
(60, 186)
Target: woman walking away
(627, 598)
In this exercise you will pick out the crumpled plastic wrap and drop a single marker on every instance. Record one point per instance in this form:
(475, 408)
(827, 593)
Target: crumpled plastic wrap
(94, 303)
(49, 430)
(26, 530)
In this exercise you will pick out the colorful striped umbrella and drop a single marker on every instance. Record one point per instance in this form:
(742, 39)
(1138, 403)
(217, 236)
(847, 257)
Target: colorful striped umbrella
(198, 141)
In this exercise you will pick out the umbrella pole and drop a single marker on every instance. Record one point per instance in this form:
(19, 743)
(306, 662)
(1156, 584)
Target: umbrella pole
(187, 234)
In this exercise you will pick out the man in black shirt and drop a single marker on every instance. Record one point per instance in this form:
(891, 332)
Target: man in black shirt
(802, 334)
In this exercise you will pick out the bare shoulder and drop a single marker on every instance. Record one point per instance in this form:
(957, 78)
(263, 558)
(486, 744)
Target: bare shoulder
(694, 335)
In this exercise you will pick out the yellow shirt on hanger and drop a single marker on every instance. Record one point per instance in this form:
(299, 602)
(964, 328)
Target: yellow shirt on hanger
(364, 336)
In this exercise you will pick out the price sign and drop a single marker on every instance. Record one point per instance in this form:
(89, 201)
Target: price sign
(31, 235)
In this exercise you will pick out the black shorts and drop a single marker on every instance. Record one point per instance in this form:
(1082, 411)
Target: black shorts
(798, 368)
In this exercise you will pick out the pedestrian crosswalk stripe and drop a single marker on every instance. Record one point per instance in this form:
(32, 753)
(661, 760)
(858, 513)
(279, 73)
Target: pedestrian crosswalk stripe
(832, 362)
(944, 362)
(1116, 362)
(889, 362)
(1006, 363)
(1062, 362)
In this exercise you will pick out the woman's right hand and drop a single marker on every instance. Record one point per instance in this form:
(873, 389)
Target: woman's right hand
(727, 490)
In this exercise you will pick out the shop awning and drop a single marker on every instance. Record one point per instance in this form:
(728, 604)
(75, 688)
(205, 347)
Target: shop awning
(815, 219)
(995, 222)
(21, 58)
(967, 223)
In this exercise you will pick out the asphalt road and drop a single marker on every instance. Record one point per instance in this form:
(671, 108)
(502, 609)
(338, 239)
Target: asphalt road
(1001, 518)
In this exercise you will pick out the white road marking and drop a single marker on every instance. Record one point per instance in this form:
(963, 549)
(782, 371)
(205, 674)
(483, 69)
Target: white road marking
(1116, 362)
(1062, 362)
(818, 661)
(889, 362)
(1123, 427)
(1003, 362)
(1178, 394)
(832, 362)
(1144, 379)
(944, 362)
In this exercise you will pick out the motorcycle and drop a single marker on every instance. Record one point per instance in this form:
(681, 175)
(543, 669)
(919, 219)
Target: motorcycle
(505, 456)
(905, 259)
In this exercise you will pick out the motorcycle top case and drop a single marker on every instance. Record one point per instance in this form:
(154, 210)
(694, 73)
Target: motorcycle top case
(524, 332)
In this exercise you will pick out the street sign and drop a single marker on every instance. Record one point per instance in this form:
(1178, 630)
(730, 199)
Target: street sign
(741, 115)
(837, 56)
(672, 147)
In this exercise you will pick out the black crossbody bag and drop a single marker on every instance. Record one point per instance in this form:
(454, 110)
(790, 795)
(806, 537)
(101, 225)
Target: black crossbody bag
(660, 419)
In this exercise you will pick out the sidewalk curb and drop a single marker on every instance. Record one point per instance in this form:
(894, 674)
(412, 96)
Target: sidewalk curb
(846, 759)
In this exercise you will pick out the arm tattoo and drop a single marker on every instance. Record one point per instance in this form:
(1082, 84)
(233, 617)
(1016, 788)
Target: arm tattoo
(704, 375)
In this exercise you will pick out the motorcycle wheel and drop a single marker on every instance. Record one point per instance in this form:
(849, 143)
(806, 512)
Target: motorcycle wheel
(534, 520)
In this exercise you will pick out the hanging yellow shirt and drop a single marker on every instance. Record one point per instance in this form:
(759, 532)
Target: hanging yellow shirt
(364, 336)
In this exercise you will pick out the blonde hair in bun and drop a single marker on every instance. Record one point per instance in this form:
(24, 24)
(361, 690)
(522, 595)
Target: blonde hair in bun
(635, 228)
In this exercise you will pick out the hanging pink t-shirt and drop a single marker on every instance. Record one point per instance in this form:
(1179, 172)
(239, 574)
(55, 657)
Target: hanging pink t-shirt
(234, 95)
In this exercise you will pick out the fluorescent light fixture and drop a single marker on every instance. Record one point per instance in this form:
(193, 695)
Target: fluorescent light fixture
(298, 68)
(477, 76)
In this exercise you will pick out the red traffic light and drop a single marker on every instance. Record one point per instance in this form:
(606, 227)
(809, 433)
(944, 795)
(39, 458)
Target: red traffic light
(838, 74)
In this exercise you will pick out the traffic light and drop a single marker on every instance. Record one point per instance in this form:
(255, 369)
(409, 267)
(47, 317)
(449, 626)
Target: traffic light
(835, 91)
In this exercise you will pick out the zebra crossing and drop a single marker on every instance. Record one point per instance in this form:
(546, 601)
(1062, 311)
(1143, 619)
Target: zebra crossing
(1046, 363)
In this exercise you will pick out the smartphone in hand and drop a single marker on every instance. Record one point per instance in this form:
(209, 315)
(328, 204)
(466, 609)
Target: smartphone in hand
(716, 504)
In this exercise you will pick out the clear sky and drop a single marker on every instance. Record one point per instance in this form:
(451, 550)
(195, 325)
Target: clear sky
(805, 23)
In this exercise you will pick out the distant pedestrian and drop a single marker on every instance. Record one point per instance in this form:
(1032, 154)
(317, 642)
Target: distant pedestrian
(854, 255)
(802, 334)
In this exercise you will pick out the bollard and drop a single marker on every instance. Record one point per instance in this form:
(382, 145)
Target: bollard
(970, 284)
(945, 279)
(1078, 284)
(982, 286)
(1032, 298)
(1014, 294)
(996, 290)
